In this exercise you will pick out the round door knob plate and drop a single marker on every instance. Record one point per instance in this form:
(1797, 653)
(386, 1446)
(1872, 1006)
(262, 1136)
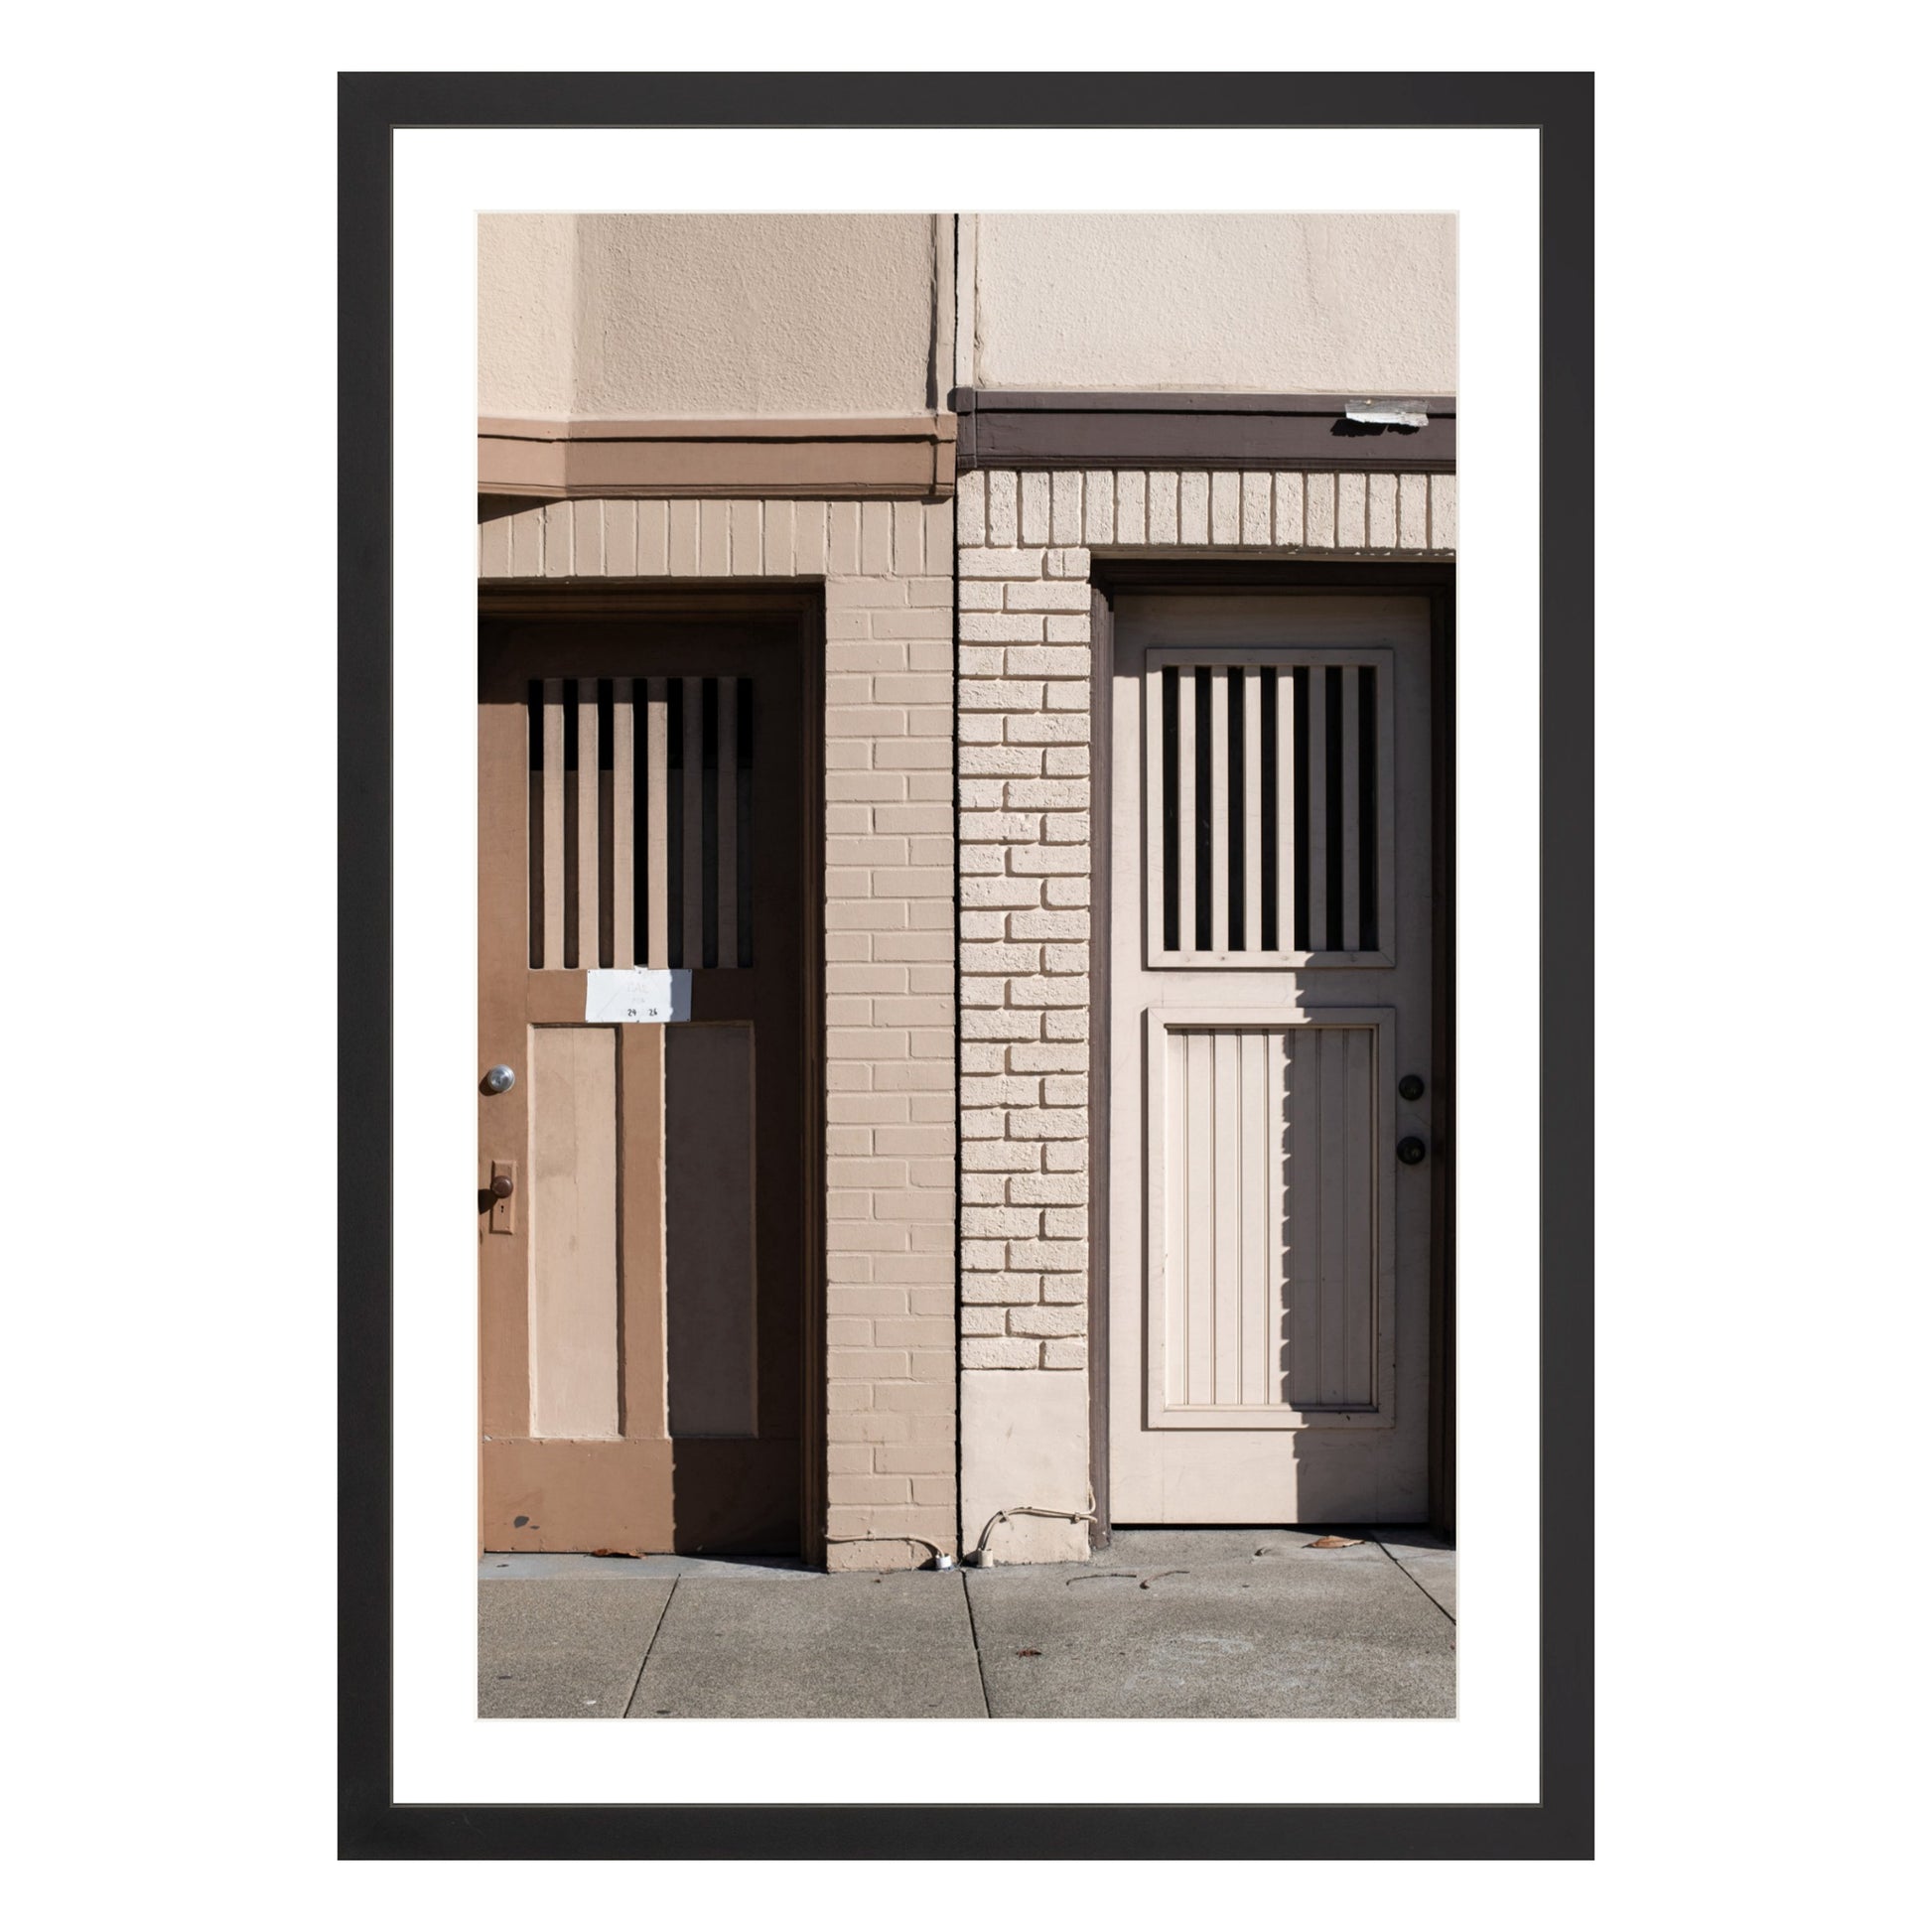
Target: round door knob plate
(1410, 1151)
(502, 1186)
(499, 1079)
(1410, 1086)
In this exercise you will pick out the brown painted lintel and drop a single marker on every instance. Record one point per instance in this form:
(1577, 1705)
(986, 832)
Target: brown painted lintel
(771, 456)
(1197, 428)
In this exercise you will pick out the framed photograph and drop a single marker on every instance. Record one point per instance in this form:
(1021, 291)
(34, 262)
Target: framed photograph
(966, 799)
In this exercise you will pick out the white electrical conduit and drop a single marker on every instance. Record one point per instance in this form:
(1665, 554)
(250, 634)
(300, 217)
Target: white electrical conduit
(940, 1560)
(977, 1555)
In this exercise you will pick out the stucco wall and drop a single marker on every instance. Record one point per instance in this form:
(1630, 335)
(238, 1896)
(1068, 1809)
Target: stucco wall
(525, 342)
(1297, 303)
(711, 315)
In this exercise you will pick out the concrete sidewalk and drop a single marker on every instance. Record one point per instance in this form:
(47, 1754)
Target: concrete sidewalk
(1166, 1623)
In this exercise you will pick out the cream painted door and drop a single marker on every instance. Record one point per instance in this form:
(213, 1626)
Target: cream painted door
(1269, 1246)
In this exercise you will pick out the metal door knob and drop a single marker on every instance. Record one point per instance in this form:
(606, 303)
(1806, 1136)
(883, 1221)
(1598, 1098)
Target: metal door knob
(499, 1079)
(1410, 1151)
(1410, 1086)
(502, 1186)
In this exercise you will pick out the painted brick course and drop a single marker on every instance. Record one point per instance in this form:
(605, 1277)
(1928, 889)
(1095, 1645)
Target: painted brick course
(1025, 809)
(891, 1028)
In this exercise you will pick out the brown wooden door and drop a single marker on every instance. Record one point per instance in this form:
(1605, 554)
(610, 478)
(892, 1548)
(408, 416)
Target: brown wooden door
(642, 794)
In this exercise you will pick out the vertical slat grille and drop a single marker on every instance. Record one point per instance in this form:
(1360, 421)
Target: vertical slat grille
(1268, 814)
(641, 828)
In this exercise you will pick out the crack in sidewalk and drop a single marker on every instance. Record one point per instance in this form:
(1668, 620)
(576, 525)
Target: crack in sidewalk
(649, 1645)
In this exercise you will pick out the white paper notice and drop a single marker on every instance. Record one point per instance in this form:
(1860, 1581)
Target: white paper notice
(638, 995)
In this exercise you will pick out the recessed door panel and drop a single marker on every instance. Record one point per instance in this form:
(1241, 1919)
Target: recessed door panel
(1267, 1293)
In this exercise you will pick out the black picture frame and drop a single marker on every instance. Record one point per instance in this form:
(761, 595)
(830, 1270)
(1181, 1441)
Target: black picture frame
(1560, 107)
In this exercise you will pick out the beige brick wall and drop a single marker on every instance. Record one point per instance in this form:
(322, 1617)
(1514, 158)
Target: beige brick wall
(890, 1102)
(1026, 541)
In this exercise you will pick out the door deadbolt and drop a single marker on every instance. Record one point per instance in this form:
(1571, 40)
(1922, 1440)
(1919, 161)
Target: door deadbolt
(499, 1079)
(1410, 1086)
(1410, 1151)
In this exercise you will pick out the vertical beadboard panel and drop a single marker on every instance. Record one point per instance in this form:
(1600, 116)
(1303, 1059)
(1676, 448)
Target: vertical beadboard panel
(1173, 1313)
(1267, 1154)
(1355, 1136)
(1302, 1215)
(1224, 1078)
(1197, 1277)
(1260, 1209)
(1333, 1135)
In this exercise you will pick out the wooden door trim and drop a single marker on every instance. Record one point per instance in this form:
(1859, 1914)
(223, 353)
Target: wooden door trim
(1112, 576)
(1100, 1033)
(729, 603)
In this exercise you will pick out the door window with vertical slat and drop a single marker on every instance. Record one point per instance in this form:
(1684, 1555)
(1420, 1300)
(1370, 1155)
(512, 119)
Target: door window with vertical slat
(640, 822)
(1270, 809)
